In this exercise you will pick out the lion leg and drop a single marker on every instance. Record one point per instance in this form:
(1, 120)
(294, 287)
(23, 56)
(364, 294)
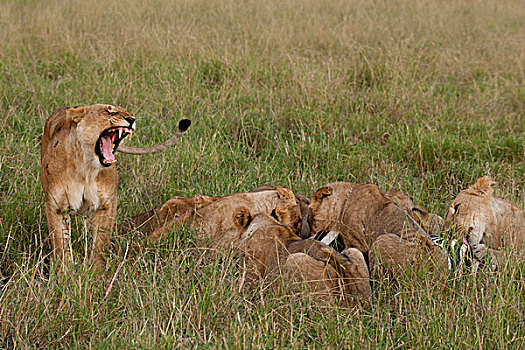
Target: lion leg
(60, 232)
(356, 274)
(393, 255)
(101, 223)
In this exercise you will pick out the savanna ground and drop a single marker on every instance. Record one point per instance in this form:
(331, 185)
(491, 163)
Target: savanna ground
(422, 96)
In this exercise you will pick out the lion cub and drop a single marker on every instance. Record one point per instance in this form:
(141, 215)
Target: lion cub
(373, 224)
(487, 223)
(77, 171)
(271, 249)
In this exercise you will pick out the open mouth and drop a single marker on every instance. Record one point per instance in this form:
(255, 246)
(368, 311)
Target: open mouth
(108, 142)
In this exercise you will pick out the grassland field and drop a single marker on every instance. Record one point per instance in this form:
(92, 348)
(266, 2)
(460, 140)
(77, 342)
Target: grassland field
(422, 96)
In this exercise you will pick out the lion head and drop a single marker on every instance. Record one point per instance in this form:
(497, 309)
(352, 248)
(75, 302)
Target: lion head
(327, 204)
(100, 130)
(471, 215)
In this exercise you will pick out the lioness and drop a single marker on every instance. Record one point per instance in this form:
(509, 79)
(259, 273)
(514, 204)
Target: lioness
(270, 249)
(213, 218)
(373, 224)
(430, 222)
(176, 210)
(77, 175)
(488, 224)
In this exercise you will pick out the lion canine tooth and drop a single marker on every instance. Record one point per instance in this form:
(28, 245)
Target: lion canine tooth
(119, 133)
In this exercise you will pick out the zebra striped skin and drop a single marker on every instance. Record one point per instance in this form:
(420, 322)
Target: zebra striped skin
(460, 257)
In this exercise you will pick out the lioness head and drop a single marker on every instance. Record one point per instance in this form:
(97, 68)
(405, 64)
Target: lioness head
(261, 238)
(100, 129)
(471, 215)
(327, 205)
(248, 224)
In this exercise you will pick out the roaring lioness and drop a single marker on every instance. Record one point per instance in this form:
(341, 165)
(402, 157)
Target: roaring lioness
(270, 249)
(77, 171)
(487, 223)
(373, 224)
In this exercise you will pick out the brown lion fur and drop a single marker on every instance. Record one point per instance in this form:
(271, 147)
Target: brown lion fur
(77, 174)
(488, 224)
(430, 222)
(175, 209)
(270, 249)
(362, 214)
(303, 201)
(213, 218)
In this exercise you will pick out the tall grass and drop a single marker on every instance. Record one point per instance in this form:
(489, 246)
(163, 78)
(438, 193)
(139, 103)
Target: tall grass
(422, 96)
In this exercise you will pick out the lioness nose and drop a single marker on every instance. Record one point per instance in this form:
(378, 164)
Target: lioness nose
(130, 119)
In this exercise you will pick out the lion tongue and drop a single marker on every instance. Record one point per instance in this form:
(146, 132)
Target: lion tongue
(107, 149)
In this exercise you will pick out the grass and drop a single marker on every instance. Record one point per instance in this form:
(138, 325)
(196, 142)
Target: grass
(421, 96)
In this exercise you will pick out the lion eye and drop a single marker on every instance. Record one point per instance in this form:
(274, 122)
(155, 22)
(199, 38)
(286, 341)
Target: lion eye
(111, 110)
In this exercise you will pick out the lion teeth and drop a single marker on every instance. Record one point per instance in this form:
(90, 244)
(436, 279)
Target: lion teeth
(120, 133)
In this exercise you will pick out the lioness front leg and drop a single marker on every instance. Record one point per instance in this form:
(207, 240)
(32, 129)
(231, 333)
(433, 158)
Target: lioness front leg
(101, 224)
(60, 232)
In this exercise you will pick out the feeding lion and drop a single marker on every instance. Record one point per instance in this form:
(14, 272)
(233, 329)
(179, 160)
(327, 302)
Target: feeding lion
(486, 223)
(373, 224)
(211, 214)
(77, 171)
(270, 249)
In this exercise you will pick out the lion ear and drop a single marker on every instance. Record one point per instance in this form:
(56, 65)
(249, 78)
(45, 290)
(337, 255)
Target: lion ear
(420, 210)
(420, 214)
(242, 217)
(322, 193)
(168, 209)
(77, 113)
(284, 192)
(281, 214)
(202, 200)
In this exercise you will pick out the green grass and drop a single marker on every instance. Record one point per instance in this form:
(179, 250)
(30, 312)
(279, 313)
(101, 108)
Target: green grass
(421, 96)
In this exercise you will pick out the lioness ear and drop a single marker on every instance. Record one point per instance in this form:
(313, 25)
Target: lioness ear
(281, 214)
(284, 192)
(77, 113)
(419, 214)
(420, 210)
(202, 200)
(168, 209)
(322, 193)
(242, 217)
